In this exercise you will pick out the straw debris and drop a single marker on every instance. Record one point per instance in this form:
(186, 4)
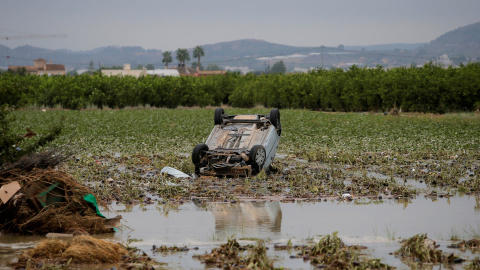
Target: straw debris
(82, 250)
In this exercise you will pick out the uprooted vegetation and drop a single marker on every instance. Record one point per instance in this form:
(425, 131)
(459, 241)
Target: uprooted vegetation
(82, 250)
(472, 244)
(230, 256)
(49, 201)
(420, 249)
(330, 253)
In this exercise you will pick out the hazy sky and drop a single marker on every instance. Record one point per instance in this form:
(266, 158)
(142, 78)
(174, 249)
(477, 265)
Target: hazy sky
(173, 24)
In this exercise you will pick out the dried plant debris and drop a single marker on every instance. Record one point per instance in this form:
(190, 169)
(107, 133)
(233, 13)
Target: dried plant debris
(42, 160)
(82, 250)
(421, 249)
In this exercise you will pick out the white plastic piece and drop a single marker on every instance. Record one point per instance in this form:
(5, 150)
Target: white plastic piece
(174, 172)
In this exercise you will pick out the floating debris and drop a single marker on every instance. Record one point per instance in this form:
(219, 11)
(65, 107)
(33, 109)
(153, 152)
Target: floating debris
(165, 249)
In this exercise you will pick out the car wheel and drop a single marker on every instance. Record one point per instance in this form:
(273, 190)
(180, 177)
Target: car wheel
(275, 120)
(257, 158)
(218, 116)
(199, 151)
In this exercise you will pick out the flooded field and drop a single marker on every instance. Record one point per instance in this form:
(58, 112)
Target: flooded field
(377, 225)
(375, 180)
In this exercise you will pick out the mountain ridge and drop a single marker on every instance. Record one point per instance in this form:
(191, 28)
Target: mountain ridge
(255, 54)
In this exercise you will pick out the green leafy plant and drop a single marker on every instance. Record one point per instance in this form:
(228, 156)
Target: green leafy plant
(14, 146)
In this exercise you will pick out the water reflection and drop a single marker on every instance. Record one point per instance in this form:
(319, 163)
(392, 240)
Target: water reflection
(254, 215)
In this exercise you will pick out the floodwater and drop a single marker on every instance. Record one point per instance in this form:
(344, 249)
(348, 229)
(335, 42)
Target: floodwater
(377, 224)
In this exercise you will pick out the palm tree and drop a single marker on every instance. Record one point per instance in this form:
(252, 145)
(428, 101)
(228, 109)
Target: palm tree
(182, 56)
(197, 53)
(167, 58)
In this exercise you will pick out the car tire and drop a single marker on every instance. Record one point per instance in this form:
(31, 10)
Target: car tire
(275, 120)
(218, 118)
(257, 158)
(199, 151)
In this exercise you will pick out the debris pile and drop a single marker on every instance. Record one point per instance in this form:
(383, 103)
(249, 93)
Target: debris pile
(41, 201)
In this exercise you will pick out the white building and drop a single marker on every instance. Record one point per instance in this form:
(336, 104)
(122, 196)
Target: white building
(164, 72)
(444, 61)
(126, 71)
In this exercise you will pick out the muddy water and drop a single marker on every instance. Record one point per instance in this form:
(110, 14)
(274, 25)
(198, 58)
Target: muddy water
(12, 245)
(376, 224)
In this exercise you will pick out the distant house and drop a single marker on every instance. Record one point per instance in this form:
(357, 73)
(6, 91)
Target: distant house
(163, 72)
(203, 73)
(126, 71)
(40, 67)
(186, 71)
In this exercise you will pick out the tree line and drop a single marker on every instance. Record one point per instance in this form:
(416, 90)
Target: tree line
(430, 88)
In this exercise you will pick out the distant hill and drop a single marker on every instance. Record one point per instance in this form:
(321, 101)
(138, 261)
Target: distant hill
(106, 56)
(254, 55)
(461, 42)
(246, 48)
(387, 47)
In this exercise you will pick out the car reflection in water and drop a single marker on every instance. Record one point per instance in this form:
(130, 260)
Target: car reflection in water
(247, 219)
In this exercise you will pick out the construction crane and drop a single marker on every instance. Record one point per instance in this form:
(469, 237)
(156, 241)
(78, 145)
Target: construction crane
(28, 37)
(32, 36)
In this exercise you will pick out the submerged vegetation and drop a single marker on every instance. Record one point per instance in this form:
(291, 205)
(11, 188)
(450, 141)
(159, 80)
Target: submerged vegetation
(330, 253)
(420, 249)
(230, 256)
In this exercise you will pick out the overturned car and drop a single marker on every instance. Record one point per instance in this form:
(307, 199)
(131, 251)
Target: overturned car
(238, 145)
